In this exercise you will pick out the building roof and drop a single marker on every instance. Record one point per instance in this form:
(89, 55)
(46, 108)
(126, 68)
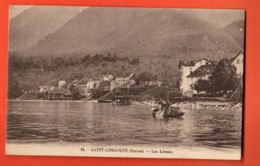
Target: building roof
(44, 86)
(92, 80)
(234, 58)
(202, 70)
(58, 91)
(125, 75)
(68, 93)
(75, 81)
(186, 63)
(62, 81)
(107, 76)
(191, 62)
(105, 83)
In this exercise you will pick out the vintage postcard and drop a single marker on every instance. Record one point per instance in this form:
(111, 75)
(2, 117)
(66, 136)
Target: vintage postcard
(125, 82)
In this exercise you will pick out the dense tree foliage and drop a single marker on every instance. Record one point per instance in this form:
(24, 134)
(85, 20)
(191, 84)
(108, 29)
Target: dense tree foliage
(144, 76)
(48, 70)
(223, 77)
(202, 85)
(50, 64)
(14, 88)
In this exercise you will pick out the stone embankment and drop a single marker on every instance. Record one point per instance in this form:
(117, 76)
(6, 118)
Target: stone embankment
(220, 105)
(209, 105)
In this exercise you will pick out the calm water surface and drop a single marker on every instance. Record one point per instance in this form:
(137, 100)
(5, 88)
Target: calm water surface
(105, 124)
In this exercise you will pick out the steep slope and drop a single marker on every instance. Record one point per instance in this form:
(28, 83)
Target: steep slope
(237, 30)
(137, 32)
(35, 23)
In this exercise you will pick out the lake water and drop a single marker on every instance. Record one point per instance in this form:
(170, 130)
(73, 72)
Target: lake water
(106, 124)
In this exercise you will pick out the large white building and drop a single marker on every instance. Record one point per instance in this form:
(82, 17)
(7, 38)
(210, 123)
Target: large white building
(191, 71)
(186, 68)
(238, 62)
(203, 73)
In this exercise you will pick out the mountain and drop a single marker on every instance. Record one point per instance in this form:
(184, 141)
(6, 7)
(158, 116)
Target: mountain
(137, 32)
(35, 23)
(237, 30)
(155, 38)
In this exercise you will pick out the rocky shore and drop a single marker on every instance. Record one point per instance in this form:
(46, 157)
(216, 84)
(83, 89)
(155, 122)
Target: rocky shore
(222, 105)
(210, 105)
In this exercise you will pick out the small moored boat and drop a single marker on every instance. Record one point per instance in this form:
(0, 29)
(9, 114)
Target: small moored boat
(104, 101)
(172, 113)
(122, 100)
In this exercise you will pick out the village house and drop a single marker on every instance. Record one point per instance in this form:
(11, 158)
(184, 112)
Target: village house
(150, 83)
(129, 83)
(105, 86)
(57, 94)
(75, 82)
(238, 62)
(52, 88)
(44, 89)
(107, 78)
(84, 90)
(92, 85)
(68, 95)
(203, 73)
(185, 69)
(62, 84)
(120, 81)
(191, 71)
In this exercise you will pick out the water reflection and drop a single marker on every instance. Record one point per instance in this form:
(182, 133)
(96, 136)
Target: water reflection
(105, 124)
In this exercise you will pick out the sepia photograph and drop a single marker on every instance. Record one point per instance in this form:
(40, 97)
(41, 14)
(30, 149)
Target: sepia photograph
(125, 82)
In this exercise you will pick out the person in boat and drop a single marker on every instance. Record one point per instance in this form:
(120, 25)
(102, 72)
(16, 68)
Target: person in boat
(165, 111)
(165, 105)
(164, 108)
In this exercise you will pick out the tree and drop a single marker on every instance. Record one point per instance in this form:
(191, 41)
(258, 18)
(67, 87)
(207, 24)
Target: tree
(75, 92)
(59, 62)
(223, 77)
(14, 88)
(144, 76)
(202, 85)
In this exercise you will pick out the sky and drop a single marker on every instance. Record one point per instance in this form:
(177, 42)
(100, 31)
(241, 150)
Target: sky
(14, 10)
(218, 16)
(221, 17)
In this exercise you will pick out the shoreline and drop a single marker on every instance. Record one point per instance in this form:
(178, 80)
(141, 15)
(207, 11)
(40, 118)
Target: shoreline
(210, 105)
(76, 101)
(222, 105)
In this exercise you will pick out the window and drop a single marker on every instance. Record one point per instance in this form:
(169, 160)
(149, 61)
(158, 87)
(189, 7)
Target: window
(238, 61)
